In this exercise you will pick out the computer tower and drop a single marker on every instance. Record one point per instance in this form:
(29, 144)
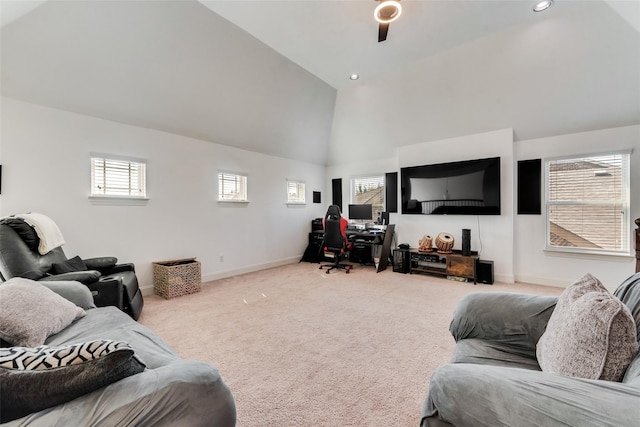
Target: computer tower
(361, 254)
(401, 260)
(484, 271)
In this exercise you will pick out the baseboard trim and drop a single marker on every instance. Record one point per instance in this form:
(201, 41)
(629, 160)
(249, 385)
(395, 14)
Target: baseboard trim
(534, 280)
(504, 278)
(148, 290)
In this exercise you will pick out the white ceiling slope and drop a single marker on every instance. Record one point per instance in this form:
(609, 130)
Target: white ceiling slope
(262, 75)
(174, 66)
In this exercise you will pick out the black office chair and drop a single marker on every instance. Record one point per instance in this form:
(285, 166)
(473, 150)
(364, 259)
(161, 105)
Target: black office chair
(334, 241)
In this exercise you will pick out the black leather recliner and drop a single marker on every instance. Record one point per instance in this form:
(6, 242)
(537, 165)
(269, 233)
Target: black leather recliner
(110, 283)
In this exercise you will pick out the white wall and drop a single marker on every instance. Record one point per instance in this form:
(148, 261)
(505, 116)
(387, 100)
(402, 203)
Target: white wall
(45, 157)
(491, 235)
(514, 242)
(532, 263)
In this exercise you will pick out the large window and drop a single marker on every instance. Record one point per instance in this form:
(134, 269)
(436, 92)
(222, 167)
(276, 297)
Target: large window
(232, 187)
(118, 177)
(369, 190)
(587, 203)
(295, 192)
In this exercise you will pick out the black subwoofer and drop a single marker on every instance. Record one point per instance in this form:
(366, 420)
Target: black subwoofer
(484, 271)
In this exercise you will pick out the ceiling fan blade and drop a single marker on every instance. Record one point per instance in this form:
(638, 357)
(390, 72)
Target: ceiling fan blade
(383, 29)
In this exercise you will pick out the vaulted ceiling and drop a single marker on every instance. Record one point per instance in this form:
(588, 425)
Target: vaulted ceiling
(258, 75)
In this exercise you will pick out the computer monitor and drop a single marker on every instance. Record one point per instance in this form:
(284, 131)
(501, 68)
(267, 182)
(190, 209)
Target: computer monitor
(364, 212)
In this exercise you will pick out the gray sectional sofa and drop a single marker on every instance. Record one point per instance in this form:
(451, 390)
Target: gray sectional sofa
(148, 385)
(495, 376)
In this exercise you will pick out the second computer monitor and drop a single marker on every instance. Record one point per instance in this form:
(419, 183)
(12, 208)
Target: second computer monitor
(363, 212)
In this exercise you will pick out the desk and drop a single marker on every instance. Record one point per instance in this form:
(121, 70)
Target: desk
(368, 240)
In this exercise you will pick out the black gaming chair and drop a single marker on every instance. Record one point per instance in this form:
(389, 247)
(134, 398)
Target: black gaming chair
(334, 241)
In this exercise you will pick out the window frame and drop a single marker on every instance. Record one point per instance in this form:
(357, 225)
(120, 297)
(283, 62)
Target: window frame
(244, 181)
(624, 198)
(141, 166)
(298, 183)
(372, 176)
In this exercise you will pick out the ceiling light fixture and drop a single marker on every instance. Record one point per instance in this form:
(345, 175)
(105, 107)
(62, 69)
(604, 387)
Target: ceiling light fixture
(387, 11)
(542, 5)
(354, 77)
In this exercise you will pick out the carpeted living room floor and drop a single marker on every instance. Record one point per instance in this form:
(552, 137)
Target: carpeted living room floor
(299, 347)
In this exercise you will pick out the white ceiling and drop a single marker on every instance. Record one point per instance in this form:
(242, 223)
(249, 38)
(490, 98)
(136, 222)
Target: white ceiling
(334, 39)
(178, 67)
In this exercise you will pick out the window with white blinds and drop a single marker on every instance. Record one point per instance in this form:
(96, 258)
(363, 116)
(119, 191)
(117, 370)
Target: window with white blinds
(118, 178)
(369, 190)
(587, 204)
(295, 192)
(232, 187)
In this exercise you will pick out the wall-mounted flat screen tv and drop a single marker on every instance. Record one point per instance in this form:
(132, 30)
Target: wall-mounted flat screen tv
(470, 187)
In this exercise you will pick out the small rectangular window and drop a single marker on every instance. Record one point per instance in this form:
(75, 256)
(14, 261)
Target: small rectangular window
(295, 192)
(232, 187)
(369, 190)
(587, 204)
(118, 178)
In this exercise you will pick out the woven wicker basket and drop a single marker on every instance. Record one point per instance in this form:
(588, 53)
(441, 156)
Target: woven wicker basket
(176, 277)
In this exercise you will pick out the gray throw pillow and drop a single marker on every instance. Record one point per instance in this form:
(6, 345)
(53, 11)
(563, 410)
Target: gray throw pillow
(591, 334)
(75, 292)
(34, 379)
(29, 312)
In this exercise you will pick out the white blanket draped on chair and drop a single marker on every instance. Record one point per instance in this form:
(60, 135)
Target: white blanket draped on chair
(47, 230)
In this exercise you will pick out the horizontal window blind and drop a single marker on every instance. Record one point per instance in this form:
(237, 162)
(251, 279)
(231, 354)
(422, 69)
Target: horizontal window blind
(113, 177)
(588, 203)
(232, 187)
(295, 192)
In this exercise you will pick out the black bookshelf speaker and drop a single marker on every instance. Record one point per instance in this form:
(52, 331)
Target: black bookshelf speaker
(466, 242)
(484, 271)
(391, 191)
(317, 197)
(529, 186)
(336, 192)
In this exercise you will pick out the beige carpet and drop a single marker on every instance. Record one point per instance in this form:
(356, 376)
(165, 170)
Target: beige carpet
(299, 347)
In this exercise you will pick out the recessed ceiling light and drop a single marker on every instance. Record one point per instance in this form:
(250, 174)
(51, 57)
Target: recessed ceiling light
(354, 77)
(542, 5)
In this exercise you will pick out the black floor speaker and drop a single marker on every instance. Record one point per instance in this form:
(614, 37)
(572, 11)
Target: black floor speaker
(484, 271)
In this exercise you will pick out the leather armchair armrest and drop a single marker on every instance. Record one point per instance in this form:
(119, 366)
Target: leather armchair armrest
(100, 263)
(84, 276)
(516, 320)
(118, 268)
(107, 292)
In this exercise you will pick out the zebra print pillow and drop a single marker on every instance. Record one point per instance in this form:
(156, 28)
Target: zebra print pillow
(37, 378)
(45, 357)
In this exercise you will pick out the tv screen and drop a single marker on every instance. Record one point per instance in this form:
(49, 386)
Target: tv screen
(470, 187)
(364, 212)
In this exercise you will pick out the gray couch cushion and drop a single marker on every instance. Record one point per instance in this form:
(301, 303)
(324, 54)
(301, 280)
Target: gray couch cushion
(591, 334)
(30, 312)
(37, 378)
